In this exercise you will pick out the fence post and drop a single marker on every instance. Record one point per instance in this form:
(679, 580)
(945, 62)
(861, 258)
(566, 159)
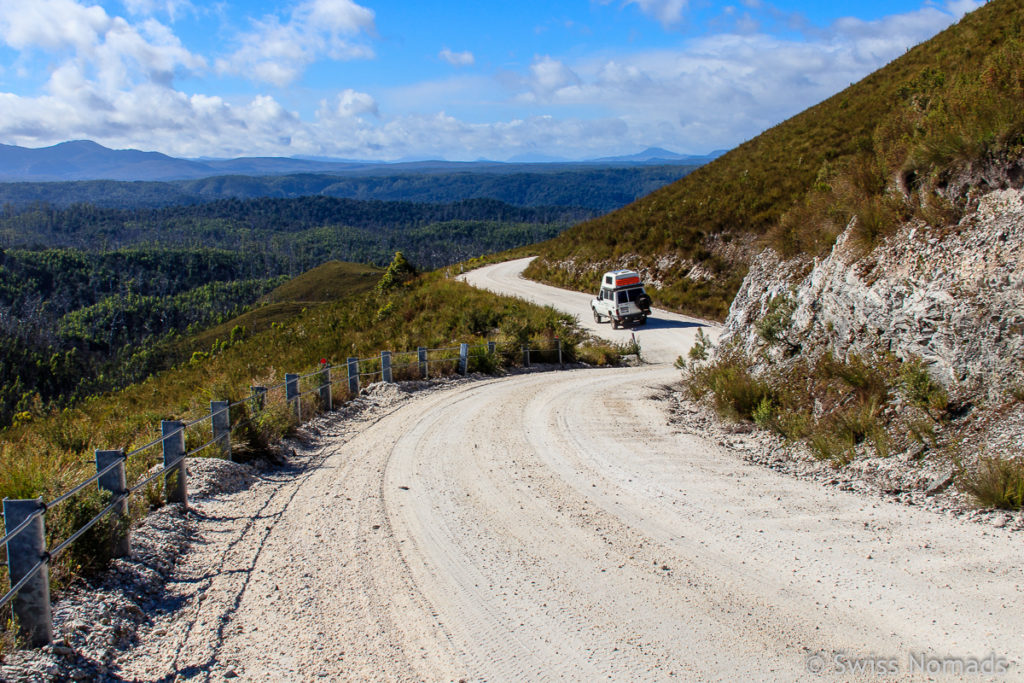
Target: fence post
(326, 400)
(463, 359)
(259, 398)
(560, 363)
(220, 418)
(385, 367)
(173, 432)
(32, 603)
(353, 376)
(291, 392)
(526, 356)
(116, 482)
(491, 346)
(421, 354)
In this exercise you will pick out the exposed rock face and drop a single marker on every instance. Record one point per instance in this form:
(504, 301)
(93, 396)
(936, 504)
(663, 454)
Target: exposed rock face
(953, 296)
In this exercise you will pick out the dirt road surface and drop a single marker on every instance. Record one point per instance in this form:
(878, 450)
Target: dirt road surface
(555, 526)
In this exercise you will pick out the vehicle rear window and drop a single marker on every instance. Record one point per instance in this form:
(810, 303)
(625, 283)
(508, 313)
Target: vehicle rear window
(630, 294)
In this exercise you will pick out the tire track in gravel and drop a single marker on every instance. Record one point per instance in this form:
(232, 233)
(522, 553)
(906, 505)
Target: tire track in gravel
(569, 532)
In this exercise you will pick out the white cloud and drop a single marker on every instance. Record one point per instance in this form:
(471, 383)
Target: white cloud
(551, 76)
(668, 12)
(103, 53)
(457, 58)
(278, 52)
(51, 24)
(348, 104)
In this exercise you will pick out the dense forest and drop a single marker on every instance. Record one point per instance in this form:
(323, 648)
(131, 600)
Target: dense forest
(597, 189)
(299, 233)
(93, 298)
(73, 323)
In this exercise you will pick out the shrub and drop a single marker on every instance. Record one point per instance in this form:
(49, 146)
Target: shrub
(699, 351)
(735, 392)
(776, 321)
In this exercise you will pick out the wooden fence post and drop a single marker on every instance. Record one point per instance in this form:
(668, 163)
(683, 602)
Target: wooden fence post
(326, 399)
(353, 376)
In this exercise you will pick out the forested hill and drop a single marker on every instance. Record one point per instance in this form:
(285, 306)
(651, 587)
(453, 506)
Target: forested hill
(296, 234)
(598, 189)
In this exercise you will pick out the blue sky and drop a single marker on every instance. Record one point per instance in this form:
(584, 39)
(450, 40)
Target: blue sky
(458, 80)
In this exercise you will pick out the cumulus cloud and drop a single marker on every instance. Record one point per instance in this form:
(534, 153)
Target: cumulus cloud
(106, 53)
(278, 51)
(348, 104)
(550, 77)
(457, 58)
(721, 89)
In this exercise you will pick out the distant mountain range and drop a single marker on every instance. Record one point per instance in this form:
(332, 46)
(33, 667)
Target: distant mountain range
(87, 160)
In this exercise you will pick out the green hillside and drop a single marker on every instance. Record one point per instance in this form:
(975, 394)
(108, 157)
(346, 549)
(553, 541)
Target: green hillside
(327, 282)
(946, 103)
(332, 281)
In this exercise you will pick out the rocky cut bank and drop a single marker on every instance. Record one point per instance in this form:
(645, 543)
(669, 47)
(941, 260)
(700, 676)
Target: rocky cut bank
(914, 347)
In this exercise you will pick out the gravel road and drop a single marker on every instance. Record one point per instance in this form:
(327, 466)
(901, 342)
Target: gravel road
(665, 336)
(558, 526)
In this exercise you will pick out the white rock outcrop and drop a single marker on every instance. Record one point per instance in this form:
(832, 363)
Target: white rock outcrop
(953, 296)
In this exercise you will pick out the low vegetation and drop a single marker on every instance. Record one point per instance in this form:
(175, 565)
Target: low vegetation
(997, 483)
(838, 407)
(843, 409)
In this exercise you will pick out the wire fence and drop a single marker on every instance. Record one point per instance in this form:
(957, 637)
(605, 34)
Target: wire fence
(302, 395)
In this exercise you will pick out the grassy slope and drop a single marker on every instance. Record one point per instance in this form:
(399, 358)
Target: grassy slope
(332, 281)
(744, 193)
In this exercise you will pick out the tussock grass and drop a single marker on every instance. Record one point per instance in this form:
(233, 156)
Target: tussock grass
(833, 405)
(997, 483)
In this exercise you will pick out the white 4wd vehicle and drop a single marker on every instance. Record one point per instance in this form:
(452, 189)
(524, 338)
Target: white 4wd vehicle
(622, 299)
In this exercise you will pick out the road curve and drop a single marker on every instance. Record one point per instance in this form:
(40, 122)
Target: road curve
(665, 336)
(556, 526)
